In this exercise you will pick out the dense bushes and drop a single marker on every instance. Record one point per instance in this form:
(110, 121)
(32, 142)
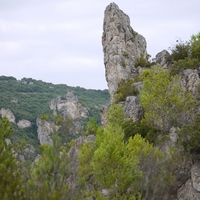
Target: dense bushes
(130, 168)
(126, 88)
(185, 55)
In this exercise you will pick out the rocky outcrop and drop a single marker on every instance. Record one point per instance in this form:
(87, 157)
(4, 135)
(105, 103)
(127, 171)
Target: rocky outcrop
(122, 46)
(69, 106)
(161, 58)
(133, 109)
(8, 113)
(23, 123)
(73, 155)
(44, 130)
(191, 189)
(190, 81)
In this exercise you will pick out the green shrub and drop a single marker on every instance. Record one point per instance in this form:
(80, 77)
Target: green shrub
(189, 136)
(182, 64)
(179, 51)
(126, 88)
(144, 62)
(123, 63)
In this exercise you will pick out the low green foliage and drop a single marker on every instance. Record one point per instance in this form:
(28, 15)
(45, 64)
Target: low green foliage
(134, 33)
(48, 177)
(179, 51)
(10, 178)
(144, 62)
(128, 169)
(182, 64)
(185, 55)
(189, 136)
(29, 99)
(163, 99)
(91, 127)
(126, 88)
(123, 63)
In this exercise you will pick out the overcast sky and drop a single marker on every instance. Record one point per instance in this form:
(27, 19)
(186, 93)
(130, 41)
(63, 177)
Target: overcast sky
(59, 41)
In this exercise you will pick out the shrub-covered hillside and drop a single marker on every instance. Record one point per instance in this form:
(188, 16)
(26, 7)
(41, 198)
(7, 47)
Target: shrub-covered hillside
(29, 99)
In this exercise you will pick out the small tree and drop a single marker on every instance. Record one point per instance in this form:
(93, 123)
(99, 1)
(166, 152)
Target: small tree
(10, 179)
(163, 99)
(49, 175)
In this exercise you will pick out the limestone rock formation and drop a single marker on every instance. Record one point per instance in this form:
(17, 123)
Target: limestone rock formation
(133, 109)
(8, 113)
(190, 81)
(69, 106)
(23, 123)
(161, 58)
(122, 46)
(44, 131)
(191, 189)
(73, 155)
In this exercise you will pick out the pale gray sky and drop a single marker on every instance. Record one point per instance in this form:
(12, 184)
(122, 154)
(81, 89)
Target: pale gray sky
(59, 41)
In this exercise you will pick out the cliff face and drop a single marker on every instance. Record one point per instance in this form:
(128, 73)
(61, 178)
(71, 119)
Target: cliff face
(122, 47)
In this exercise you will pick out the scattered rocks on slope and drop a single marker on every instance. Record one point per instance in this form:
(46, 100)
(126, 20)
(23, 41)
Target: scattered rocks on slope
(122, 47)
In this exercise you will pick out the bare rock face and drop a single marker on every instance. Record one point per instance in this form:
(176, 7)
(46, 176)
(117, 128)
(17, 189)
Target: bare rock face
(161, 58)
(23, 124)
(133, 109)
(122, 47)
(8, 113)
(73, 155)
(69, 106)
(191, 189)
(44, 131)
(191, 81)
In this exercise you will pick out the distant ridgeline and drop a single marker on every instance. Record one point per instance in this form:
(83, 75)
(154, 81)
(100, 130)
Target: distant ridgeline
(30, 104)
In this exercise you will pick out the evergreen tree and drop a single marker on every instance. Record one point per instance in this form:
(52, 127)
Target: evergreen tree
(163, 99)
(10, 179)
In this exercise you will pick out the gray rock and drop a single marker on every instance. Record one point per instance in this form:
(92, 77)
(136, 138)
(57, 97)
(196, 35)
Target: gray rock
(190, 81)
(73, 155)
(44, 130)
(195, 175)
(8, 113)
(122, 47)
(69, 106)
(161, 58)
(186, 192)
(132, 108)
(24, 123)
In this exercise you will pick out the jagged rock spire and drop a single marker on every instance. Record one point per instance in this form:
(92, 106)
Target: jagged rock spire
(122, 47)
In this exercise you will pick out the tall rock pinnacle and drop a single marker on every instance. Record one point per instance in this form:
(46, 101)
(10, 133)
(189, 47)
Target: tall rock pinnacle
(122, 47)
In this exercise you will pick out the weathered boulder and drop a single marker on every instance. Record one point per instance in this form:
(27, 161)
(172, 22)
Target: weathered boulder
(190, 81)
(133, 109)
(8, 113)
(73, 155)
(44, 130)
(122, 47)
(23, 123)
(69, 106)
(191, 189)
(161, 58)
(195, 176)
